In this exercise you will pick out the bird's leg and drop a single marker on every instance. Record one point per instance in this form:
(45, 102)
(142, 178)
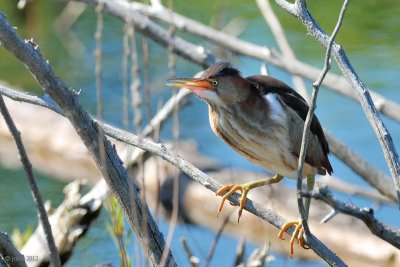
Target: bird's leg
(299, 231)
(244, 189)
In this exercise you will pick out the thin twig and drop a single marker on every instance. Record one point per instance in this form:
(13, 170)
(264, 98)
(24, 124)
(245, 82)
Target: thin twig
(240, 251)
(44, 220)
(146, 81)
(125, 76)
(307, 123)
(390, 235)
(215, 242)
(194, 261)
(175, 134)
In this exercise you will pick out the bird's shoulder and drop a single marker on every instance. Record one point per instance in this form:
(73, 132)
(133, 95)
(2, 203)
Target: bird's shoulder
(265, 85)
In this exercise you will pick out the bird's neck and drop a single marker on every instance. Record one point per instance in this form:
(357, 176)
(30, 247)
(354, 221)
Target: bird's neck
(250, 112)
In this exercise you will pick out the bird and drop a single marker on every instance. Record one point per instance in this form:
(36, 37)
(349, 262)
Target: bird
(261, 118)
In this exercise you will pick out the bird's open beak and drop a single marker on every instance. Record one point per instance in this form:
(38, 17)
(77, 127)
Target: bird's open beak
(191, 83)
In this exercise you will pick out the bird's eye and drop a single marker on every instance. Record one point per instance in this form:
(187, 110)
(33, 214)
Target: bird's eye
(214, 83)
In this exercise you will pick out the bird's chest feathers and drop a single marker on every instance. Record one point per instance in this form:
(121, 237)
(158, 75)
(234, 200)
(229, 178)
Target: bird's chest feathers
(259, 133)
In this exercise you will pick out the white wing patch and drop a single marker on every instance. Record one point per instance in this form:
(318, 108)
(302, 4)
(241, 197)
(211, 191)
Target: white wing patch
(277, 112)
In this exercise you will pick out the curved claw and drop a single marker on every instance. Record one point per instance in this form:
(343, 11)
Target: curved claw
(297, 234)
(232, 188)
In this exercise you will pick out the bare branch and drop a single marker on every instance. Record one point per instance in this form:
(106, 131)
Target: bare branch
(215, 242)
(306, 133)
(366, 215)
(112, 169)
(383, 135)
(44, 220)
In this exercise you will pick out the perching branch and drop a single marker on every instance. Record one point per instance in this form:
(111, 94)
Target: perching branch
(160, 150)
(44, 220)
(299, 10)
(390, 235)
(306, 131)
(112, 169)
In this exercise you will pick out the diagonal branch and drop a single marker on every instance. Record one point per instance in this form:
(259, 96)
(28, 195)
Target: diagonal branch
(44, 220)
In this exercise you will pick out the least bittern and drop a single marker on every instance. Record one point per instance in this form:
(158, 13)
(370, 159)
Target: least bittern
(261, 118)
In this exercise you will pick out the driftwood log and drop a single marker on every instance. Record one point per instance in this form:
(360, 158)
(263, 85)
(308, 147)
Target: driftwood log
(58, 152)
(69, 222)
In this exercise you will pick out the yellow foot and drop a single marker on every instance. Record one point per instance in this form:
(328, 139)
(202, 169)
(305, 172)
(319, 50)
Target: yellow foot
(297, 233)
(232, 188)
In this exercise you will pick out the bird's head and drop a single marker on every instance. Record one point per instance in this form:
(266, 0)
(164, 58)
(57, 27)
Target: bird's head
(219, 85)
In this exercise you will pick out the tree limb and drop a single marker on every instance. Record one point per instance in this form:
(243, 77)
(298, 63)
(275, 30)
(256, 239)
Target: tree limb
(112, 169)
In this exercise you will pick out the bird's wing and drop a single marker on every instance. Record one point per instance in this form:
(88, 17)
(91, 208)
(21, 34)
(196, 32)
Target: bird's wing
(318, 149)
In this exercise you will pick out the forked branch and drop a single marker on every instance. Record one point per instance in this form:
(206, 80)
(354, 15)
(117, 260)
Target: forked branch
(299, 10)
